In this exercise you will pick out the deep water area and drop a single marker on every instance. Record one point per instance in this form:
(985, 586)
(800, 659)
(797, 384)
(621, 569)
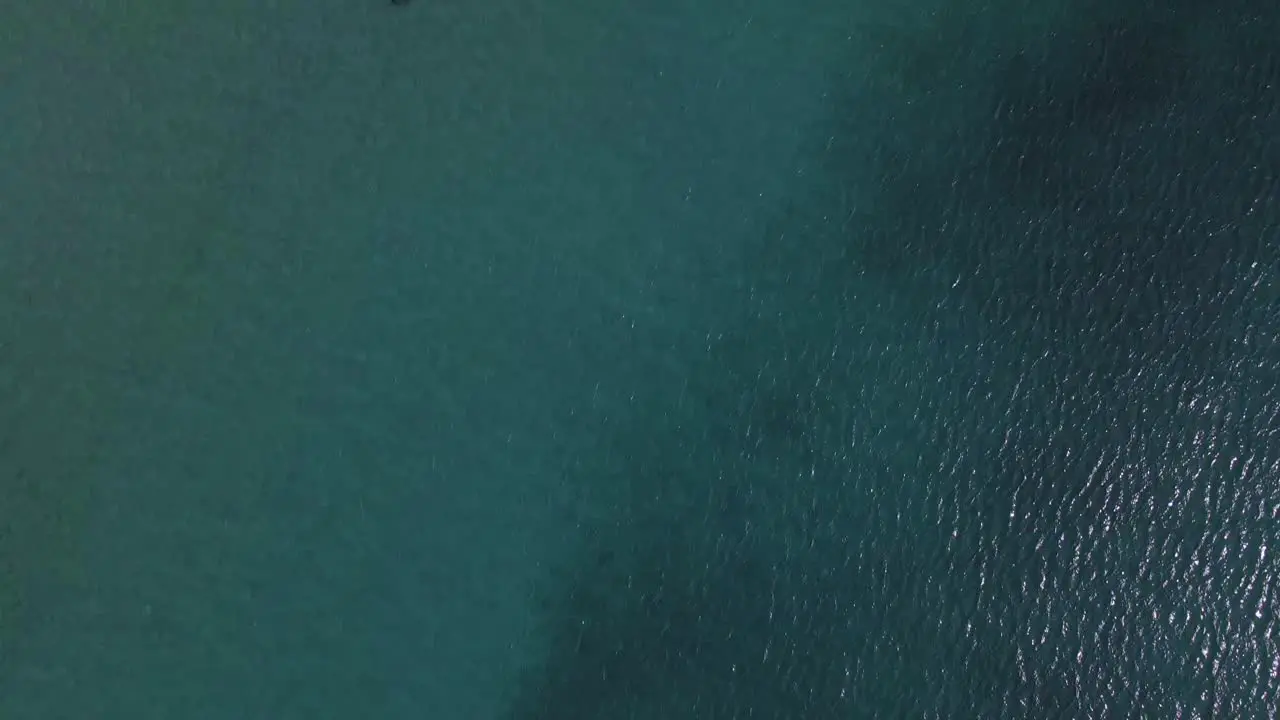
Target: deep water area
(996, 432)
(664, 360)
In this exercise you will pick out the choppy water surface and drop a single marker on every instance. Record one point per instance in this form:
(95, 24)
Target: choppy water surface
(995, 434)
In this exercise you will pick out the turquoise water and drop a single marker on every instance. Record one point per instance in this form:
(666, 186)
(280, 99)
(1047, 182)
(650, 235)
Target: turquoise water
(588, 362)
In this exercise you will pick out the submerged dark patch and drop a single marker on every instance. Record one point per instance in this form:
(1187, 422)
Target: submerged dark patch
(955, 459)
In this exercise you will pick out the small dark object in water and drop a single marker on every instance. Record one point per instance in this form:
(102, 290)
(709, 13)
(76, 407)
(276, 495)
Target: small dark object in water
(399, 2)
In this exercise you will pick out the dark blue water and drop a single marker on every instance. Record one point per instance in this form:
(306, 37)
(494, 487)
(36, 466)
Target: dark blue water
(995, 431)
(581, 360)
